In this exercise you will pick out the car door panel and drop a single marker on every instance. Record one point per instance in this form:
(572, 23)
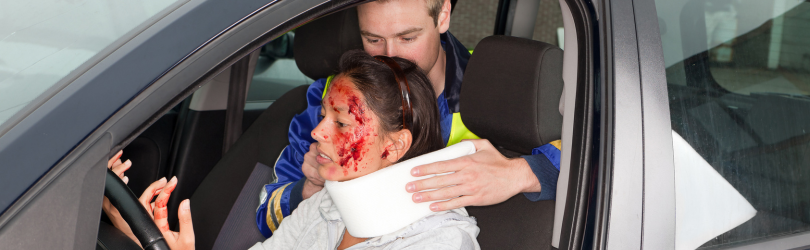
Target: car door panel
(62, 210)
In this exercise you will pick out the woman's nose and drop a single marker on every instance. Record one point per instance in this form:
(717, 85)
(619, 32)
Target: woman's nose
(319, 134)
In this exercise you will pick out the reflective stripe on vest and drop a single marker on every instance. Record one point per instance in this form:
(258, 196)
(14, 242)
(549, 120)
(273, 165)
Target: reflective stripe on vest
(458, 131)
(326, 86)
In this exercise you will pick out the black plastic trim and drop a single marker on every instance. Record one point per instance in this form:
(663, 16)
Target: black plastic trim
(584, 128)
(237, 94)
(607, 115)
(501, 17)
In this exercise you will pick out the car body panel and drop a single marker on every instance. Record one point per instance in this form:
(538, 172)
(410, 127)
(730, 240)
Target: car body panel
(659, 168)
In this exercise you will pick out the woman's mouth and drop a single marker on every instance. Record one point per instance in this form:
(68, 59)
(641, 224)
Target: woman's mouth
(323, 159)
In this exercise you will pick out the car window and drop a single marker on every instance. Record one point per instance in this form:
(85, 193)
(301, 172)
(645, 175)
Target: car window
(276, 71)
(473, 21)
(42, 41)
(738, 77)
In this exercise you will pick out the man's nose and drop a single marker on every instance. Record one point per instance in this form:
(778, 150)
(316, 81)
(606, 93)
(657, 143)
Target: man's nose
(390, 49)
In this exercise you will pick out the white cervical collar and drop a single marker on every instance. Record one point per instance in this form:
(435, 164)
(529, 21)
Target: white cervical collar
(377, 204)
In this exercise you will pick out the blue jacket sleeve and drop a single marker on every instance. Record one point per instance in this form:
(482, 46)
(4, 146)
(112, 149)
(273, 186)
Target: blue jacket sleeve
(545, 163)
(284, 195)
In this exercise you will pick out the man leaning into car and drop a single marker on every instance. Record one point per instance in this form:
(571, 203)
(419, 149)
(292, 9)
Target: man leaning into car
(416, 30)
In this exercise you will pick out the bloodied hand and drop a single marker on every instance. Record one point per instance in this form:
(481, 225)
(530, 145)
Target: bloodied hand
(159, 212)
(154, 189)
(184, 239)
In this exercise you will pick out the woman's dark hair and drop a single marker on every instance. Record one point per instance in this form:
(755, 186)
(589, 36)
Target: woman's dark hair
(376, 81)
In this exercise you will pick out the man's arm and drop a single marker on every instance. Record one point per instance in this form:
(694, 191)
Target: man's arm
(283, 196)
(545, 164)
(483, 178)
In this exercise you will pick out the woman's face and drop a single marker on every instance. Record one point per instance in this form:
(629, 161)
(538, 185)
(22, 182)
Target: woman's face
(349, 140)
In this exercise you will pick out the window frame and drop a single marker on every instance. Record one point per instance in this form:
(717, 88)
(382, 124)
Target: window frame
(635, 199)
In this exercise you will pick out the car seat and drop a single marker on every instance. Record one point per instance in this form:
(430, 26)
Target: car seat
(510, 96)
(224, 205)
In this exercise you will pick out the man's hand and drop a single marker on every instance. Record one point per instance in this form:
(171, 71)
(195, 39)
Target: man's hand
(483, 178)
(314, 181)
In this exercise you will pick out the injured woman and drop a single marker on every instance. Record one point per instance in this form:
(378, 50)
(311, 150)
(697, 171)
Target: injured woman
(379, 120)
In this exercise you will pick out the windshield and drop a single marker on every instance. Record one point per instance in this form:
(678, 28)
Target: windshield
(42, 41)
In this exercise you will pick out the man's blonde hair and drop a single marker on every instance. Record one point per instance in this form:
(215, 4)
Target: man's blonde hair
(434, 7)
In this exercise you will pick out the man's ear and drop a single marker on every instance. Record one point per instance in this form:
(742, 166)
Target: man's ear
(444, 17)
(399, 144)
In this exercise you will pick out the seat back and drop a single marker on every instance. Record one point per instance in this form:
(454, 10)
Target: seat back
(510, 96)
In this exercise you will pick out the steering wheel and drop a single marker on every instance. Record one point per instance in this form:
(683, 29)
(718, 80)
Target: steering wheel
(134, 213)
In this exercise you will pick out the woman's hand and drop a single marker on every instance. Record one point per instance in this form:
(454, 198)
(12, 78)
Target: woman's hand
(118, 168)
(185, 238)
(154, 189)
(176, 240)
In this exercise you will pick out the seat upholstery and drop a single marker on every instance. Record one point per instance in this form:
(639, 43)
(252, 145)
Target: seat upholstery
(510, 96)
(320, 43)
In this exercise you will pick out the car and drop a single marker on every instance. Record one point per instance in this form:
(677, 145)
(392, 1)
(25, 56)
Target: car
(685, 122)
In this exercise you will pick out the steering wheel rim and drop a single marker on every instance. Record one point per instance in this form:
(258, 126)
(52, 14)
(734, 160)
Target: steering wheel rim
(134, 213)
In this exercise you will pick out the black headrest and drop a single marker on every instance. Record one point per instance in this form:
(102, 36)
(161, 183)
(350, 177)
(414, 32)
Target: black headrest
(511, 92)
(319, 44)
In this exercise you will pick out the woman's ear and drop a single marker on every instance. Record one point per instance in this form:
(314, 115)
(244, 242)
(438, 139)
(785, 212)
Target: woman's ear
(398, 145)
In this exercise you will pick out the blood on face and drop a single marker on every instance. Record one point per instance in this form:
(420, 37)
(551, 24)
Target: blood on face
(352, 145)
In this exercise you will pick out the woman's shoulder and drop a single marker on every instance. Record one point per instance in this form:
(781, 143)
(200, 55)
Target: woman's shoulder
(320, 199)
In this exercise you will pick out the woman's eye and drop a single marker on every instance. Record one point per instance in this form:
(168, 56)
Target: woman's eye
(321, 116)
(340, 124)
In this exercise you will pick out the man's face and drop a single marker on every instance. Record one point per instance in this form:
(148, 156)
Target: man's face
(402, 28)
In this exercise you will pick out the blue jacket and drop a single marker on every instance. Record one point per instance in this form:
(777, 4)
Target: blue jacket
(283, 196)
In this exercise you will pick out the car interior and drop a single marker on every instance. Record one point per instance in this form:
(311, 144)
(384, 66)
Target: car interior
(222, 141)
